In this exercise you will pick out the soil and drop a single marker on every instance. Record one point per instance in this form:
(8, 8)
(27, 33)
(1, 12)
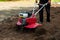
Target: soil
(49, 31)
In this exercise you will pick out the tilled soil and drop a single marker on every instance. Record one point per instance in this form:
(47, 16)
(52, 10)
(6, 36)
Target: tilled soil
(49, 31)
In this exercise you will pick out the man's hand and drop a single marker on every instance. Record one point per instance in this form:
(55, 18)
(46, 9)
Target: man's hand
(36, 1)
(49, 2)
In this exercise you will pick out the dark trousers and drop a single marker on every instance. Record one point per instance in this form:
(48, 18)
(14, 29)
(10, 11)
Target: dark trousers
(47, 7)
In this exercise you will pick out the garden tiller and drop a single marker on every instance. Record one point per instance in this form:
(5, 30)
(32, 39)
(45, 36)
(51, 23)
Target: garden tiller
(29, 20)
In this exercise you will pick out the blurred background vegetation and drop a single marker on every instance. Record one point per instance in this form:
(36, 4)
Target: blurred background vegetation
(27, 0)
(9, 0)
(55, 0)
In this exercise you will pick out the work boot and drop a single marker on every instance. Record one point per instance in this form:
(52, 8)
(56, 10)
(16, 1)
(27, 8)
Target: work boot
(48, 23)
(40, 22)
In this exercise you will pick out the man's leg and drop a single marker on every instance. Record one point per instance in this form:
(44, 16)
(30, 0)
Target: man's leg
(48, 12)
(41, 15)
